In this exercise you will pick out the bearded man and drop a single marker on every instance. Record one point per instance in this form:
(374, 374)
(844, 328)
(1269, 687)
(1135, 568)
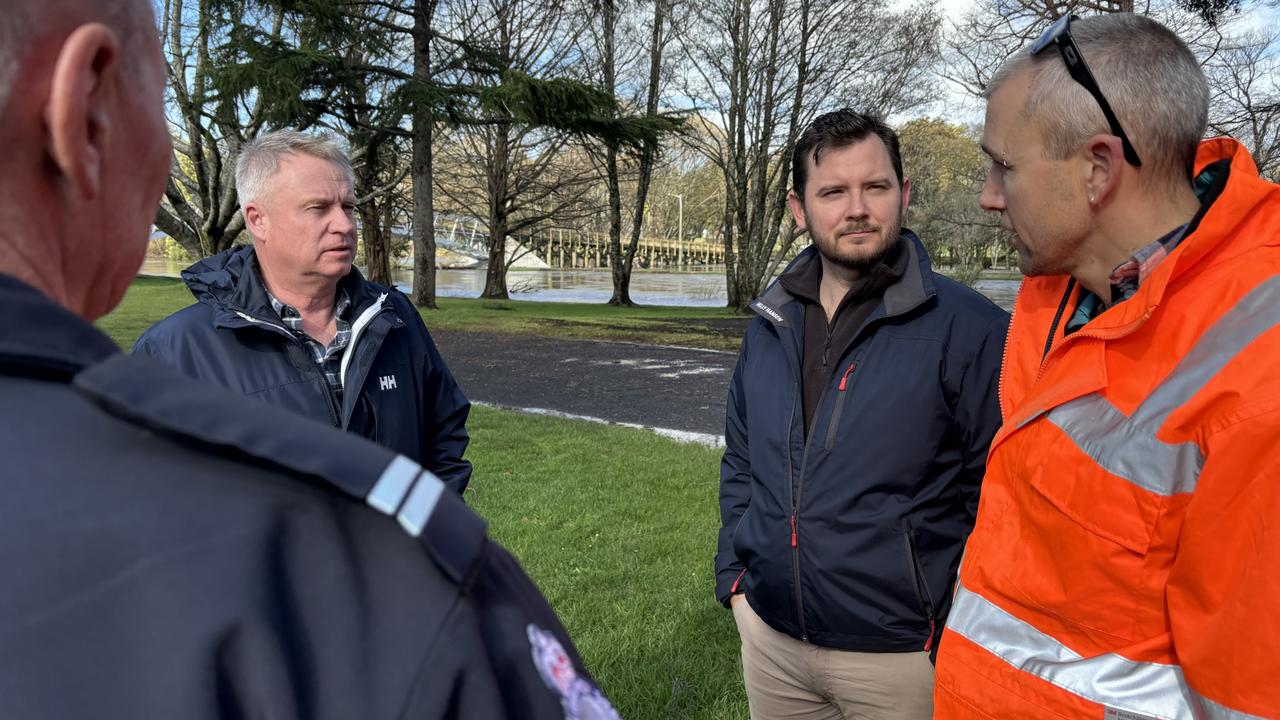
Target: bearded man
(859, 417)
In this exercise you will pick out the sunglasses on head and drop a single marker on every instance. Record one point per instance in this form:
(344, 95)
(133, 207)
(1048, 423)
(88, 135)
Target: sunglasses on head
(1059, 33)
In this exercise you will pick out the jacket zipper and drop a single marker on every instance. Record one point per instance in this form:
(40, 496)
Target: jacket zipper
(335, 413)
(795, 512)
(921, 588)
(357, 328)
(839, 409)
(795, 503)
(1005, 411)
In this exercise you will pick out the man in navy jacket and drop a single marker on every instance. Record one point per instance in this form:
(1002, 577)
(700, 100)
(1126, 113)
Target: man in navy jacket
(859, 417)
(289, 320)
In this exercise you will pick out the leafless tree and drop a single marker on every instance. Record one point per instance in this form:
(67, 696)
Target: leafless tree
(1245, 78)
(1241, 66)
(516, 175)
(200, 209)
(760, 70)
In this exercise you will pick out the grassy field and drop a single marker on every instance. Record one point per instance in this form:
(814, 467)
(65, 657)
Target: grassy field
(151, 298)
(616, 525)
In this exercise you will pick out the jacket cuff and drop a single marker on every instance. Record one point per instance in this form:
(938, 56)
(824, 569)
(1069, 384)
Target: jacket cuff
(729, 582)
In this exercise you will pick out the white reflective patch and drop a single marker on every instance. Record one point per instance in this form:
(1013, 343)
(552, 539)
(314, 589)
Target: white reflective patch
(422, 500)
(390, 489)
(1127, 446)
(1214, 711)
(1145, 689)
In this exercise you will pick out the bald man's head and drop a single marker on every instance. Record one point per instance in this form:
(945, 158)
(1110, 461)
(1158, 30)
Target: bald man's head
(87, 149)
(26, 24)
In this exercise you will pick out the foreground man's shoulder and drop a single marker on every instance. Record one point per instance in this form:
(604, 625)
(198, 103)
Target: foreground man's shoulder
(482, 633)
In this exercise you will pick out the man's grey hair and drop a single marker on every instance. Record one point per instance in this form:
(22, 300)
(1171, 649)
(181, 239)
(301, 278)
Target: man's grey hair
(1148, 75)
(260, 158)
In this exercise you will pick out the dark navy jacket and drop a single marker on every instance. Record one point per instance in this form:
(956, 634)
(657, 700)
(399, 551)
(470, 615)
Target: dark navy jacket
(852, 540)
(397, 390)
(239, 561)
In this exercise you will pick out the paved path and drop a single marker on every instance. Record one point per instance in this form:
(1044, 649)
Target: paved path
(678, 391)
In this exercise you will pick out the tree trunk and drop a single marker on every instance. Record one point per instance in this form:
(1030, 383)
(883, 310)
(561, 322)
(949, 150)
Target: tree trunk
(622, 281)
(617, 267)
(495, 280)
(424, 215)
(376, 252)
(495, 277)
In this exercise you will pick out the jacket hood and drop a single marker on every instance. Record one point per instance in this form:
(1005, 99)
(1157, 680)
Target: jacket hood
(215, 279)
(909, 291)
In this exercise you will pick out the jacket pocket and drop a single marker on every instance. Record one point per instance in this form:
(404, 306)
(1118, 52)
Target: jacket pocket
(916, 572)
(1079, 538)
(843, 390)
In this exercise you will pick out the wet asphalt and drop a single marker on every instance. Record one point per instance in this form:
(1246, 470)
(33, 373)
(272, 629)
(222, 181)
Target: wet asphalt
(681, 389)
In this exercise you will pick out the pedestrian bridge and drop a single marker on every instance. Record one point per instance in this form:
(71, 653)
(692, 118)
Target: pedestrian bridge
(571, 249)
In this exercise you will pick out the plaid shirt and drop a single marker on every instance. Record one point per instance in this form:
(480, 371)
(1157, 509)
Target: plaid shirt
(1125, 278)
(328, 358)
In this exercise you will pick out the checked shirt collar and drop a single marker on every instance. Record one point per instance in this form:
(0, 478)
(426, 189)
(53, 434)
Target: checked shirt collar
(328, 358)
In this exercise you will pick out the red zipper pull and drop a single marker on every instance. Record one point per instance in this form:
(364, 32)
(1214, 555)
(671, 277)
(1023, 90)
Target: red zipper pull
(793, 529)
(844, 381)
(929, 643)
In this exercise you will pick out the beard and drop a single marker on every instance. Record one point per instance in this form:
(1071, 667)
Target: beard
(863, 256)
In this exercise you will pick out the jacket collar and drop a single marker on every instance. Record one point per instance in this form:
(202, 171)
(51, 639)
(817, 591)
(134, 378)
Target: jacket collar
(230, 283)
(913, 289)
(38, 334)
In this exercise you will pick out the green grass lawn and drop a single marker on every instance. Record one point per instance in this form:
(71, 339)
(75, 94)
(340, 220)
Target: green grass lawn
(151, 298)
(616, 525)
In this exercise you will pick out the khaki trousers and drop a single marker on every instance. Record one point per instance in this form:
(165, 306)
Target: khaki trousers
(792, 680)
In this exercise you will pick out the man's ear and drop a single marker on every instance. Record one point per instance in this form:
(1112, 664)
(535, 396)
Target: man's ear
(1104, 155)
(797, 209)
(86, 78)
(906, 195)
(255, 220)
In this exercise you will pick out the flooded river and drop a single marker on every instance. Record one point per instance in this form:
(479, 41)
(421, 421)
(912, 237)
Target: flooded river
(593, 286)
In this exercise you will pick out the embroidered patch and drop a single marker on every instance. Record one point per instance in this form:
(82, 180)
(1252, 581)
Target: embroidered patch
(579, 697)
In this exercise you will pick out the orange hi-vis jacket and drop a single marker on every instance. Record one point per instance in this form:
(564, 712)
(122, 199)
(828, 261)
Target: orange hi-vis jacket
(1126, 558)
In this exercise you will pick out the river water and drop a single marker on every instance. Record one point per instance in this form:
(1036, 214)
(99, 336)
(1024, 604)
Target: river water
(592, 286)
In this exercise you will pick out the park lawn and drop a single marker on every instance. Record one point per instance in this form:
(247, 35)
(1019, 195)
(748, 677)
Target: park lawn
(151, 298)
(618, 528)
(715, 328)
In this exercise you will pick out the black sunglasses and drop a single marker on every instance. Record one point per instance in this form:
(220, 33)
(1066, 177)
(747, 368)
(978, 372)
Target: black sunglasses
(1059, 33)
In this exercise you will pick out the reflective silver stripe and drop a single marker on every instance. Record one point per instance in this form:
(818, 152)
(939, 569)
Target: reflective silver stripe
(1127, 446)
(1150, 689)
(391, 487)
(1214, 711)
(422, 500)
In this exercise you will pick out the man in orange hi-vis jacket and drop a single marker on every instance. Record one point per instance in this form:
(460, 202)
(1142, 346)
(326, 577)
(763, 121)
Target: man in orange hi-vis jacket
(1126, 557)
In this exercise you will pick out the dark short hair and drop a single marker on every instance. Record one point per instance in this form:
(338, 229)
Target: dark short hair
(838, 129)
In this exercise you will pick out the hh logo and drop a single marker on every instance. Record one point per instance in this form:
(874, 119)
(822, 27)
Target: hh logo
(387, 382)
